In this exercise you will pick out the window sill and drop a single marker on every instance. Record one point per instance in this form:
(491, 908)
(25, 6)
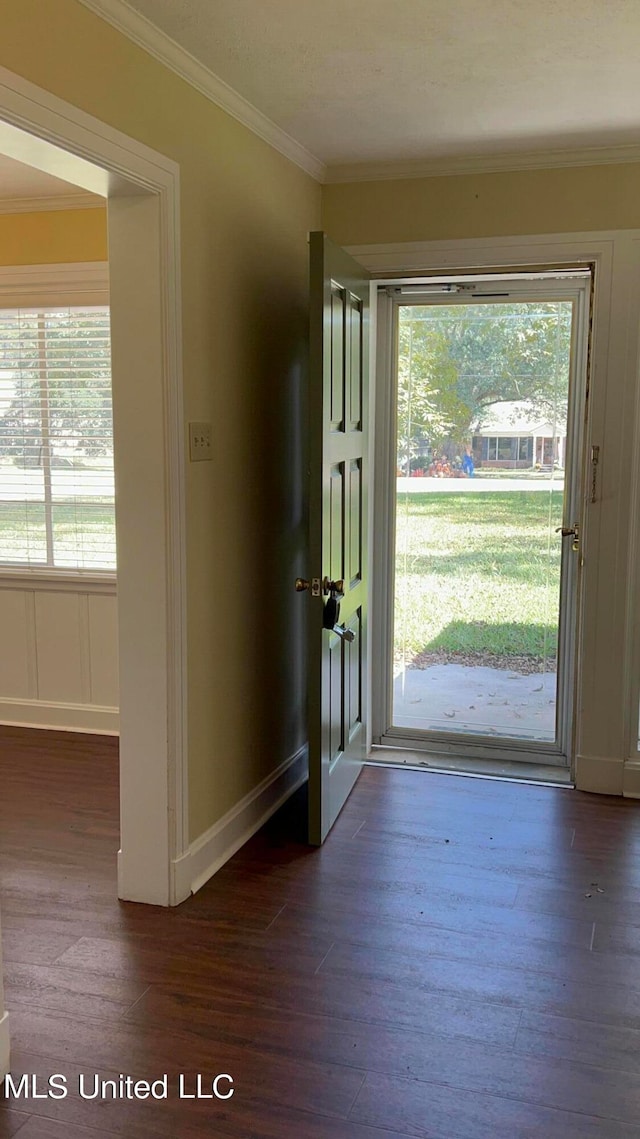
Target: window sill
(57, 581)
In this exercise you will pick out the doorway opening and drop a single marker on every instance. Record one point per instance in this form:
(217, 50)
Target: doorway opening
(485, 385)
(140, 189)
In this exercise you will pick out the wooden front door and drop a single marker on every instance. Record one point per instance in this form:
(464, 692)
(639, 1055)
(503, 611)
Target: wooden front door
(339, 339)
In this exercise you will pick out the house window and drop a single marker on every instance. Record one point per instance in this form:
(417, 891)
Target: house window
(56, 439)
(525, 450)
(507, 448)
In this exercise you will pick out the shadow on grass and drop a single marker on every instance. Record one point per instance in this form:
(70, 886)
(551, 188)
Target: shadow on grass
(497, 638)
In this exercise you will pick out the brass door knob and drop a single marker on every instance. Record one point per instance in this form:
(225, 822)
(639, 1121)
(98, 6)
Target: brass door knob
(335, 588)
(302, 584)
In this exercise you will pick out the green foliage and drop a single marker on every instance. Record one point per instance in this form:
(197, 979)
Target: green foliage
(454, 361)
(429, 407)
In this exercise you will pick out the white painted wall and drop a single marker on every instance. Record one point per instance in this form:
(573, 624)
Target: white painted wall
(58, 653)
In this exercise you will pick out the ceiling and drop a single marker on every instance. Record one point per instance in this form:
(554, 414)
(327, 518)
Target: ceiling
(24, 184)
(396, 81)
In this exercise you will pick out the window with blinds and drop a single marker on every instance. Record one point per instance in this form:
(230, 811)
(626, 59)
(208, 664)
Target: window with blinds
(56, 439)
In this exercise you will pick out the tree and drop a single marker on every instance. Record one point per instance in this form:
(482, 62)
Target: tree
(460, 359)
(429, 407)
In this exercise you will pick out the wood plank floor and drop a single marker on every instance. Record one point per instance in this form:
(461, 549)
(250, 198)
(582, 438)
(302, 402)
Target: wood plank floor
(460, 961)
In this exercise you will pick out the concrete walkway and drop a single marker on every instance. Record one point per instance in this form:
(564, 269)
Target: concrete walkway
(485, 701)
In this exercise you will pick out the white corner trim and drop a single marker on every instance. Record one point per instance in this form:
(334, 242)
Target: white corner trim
(157, 43)
(601, 775)
(51, 202)
(92, 719)
(5, 1049)
(482, 164)
(217, 845)
(631, 779)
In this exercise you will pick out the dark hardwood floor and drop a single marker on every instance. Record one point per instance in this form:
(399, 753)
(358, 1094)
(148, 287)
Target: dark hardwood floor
(460, 961)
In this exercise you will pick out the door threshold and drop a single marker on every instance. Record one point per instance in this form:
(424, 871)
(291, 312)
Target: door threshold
(511, 770)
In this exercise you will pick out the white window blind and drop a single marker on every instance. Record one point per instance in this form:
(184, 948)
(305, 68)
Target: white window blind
(56, 439)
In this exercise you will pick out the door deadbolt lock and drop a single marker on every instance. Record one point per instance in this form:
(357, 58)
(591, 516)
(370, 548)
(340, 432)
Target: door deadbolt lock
(330, 617)
(330, 613)
(345, 634)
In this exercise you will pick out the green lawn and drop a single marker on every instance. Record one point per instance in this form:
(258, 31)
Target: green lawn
(88, 526)
(477, 573)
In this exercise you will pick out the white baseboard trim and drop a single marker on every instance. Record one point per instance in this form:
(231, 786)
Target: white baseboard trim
(89, 718)
(5, 1047)
(631, 779)
(602, 775)
(217, 845)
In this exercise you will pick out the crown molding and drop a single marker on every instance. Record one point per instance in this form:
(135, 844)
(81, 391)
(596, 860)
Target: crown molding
(483, 164)
(51, 202)
(142, 32)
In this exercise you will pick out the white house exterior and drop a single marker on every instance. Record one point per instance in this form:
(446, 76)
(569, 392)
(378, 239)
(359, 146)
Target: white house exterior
(512, 434)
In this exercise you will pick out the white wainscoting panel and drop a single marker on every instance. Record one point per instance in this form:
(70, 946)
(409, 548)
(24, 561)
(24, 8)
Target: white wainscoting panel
(15, 644)
(58, 653)
(103, 648)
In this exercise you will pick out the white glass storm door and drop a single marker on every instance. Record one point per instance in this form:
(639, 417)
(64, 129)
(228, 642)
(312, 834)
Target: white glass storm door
(486, 391)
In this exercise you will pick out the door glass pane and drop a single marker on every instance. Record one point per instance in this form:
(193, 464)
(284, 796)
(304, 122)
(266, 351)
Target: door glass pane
(482, 427)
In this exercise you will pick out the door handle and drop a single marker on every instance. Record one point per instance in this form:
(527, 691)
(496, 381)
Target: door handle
(335, 588)
(315, 585)
(345, 634)
(571, 532)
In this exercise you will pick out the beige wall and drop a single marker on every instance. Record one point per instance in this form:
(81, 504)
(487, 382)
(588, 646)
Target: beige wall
(246, 212)
(484, 205)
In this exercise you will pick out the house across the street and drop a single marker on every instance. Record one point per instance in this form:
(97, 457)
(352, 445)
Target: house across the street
(513, 434)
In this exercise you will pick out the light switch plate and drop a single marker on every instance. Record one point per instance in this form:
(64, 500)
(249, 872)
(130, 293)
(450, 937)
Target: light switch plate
(199, 442)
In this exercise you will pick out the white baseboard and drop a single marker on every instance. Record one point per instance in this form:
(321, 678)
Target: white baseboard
(602, 775)
(89, 718)
(631, 779)
(217, 845)
(5, 1048)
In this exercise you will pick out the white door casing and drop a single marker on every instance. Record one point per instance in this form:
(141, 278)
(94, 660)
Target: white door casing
(141, 188)
(608, 673)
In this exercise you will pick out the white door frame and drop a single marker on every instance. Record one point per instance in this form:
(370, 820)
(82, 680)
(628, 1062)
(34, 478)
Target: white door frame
(141, 188)
(575, 290)
(608, 672)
